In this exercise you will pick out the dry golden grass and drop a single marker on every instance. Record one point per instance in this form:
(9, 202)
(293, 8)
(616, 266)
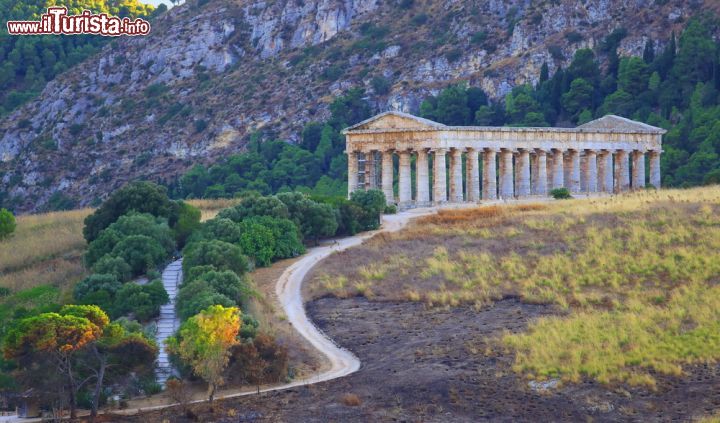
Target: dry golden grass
(635, 276)
(210, 208)
(45, 249)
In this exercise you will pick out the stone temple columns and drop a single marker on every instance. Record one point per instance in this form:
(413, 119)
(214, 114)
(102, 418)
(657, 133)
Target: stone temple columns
(638, 170)
(558, 169)
(523, 182)
(489, 189)
(473, 175)
(622, 174)
(574, 171)
(605, 172)
(439, 176)
(456, 190)
(539, 182)
(590, 171)
(352, 171)
(404, 183)
(506, 174)
(387, 176)
(369, 170)
(422, 197)
(655, 169)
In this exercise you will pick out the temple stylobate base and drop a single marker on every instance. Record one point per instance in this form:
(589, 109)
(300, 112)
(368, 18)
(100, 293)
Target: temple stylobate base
(469, 164)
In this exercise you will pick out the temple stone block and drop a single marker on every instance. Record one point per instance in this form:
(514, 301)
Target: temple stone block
(387, 176)
(473, 175)
(352, 172)
(655, 169)
(489, 175)
(638, 170)
(422, 174)
(622, 173)
(523, 179)
(456, 179)
(404, 183)
(439, 176)
(506, 174)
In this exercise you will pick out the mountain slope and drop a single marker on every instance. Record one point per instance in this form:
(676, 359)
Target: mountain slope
(211, 74)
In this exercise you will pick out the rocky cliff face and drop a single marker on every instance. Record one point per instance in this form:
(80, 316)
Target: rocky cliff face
(210, 75)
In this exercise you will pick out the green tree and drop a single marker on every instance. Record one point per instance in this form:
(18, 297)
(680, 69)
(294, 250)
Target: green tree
(204, 342)
(115, 266)
(220, 254)
(579, 97)
(255, 206)
(633, 75)
(7, 223)
(188, 222)
(141, 252)
(372, 203)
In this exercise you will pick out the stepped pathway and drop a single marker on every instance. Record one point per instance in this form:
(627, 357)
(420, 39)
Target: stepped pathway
(168, 322)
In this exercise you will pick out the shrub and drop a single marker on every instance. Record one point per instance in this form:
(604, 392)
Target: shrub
(197, 296)
(381, 85)
(256, 206)
(373, 204)
(287, 236)
(560, 193)
(188, 222)
(315, 220)
(7, 223)
(139, 251)
(97, 289)
(257, 242)
(228, 284)
(142, 197)
(390, 209)
(258, 360)
(351, 400)
(116, 266)
(143, 301)
(220, 254)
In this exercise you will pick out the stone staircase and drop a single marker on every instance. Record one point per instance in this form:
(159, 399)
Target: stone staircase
(168, 322)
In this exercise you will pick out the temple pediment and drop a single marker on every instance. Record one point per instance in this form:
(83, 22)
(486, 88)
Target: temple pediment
(619, 123)
(395, 120)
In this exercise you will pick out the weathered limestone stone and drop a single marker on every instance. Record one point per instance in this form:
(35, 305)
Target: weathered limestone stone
(422, 174)
(404, 183)
(590, 171)
(439, 176)
(489, 175)
(523, 173)
(387, 176)
(655, 169)
(622, 174)
(352, 171)
(506, 174)
(473, 176)
(638, 170)
(456, 178)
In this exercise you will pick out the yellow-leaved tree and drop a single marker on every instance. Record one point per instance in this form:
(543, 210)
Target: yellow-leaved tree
(204, 342)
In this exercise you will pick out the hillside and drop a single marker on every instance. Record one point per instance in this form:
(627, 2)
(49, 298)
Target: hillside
(212, 73)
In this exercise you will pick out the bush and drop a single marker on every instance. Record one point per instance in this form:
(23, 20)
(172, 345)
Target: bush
(141, 252)
(143, 301)
(228, 284)
(197, 296)
(560, 193)
(188, 222)
(256, 206)
(315, 220)
(287, 236)
(390, 209)
(219, 254)
(142, 197)
(115, 266)
(380, 85)
(257, 242)
(372, 202)
(97, 289)
(221, 229)
(7, 223)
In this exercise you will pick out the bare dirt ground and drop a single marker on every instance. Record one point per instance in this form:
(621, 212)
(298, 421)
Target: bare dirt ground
(423, 364)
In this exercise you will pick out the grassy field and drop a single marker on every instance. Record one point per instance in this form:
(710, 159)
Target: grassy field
(634, 278)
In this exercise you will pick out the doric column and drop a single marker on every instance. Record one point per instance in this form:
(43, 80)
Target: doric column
(605, 172)
(506, 174)
(638, 170)
(439, 177)
(540, 182)
(387, 176)
(591, 171)
(489, 188)
(558, 170)
(456, 189)
(404, 183)
(533, 173)
(574, 170)
(567, 170)
(352, 172)
(622, 176)
(422, 198)
(583, 173)
(655, 169)
(523, 180)
(473, 175)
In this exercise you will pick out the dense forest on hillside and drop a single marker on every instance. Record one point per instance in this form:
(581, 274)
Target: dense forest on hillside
(29, 62)
(677, 88)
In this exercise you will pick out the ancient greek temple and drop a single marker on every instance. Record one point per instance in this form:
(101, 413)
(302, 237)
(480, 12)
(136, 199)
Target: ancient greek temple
(438, 163)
